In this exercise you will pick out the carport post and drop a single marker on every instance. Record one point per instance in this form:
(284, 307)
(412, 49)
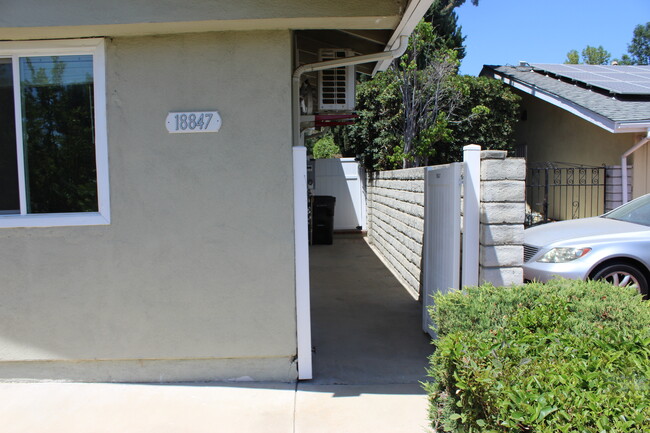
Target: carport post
(471, 214)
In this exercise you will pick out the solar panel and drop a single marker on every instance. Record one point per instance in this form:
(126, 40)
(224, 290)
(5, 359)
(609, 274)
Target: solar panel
(617, 79)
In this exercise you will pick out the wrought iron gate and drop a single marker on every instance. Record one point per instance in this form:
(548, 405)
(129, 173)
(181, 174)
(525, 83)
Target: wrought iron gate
(562, 191)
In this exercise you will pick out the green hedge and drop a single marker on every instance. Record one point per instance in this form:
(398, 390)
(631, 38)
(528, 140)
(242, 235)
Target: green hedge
(566, 356)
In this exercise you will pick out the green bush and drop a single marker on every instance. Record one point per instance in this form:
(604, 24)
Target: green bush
(566, 356)
(325, 148)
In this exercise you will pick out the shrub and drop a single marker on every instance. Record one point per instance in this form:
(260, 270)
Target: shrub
(566, 356)
(325, 148)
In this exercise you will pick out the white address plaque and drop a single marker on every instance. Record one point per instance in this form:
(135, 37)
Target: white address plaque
(193, 121)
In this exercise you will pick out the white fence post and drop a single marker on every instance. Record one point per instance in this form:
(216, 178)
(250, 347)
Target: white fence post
(301, 239)
(471, 214)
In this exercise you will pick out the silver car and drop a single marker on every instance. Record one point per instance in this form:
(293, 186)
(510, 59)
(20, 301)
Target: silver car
(614, 247)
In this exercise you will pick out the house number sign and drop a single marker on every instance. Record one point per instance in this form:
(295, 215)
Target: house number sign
(193, 121)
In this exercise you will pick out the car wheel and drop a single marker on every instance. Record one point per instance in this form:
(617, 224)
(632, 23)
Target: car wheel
(623, 275)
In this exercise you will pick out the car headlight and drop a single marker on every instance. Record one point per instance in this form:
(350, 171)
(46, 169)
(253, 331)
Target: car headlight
(563, 255)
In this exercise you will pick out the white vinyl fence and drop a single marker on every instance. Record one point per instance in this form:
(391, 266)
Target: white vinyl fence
(344, 179)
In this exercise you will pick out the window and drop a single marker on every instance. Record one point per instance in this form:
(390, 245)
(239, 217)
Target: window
(53, 152)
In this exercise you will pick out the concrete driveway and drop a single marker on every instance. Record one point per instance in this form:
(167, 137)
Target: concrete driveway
(369, 356)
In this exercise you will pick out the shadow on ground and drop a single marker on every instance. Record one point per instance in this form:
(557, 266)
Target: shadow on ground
(366, 328)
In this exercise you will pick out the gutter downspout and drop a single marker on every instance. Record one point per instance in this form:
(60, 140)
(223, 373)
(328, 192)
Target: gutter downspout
(300, 215)
(629, 152)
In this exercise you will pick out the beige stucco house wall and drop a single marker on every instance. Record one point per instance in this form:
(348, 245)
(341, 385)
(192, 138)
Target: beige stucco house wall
(641, 180)
(553, 134)
(194, 278)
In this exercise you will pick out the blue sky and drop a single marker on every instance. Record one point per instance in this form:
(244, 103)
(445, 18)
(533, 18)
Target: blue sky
(501, 32)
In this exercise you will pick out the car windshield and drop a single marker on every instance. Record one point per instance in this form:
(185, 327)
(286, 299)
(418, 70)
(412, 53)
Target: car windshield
(637, 211)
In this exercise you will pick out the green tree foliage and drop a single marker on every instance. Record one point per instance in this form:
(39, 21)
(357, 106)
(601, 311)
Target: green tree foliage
(424, 76)
(325, 148)
(373, 138)
(638, 51)
(572, 57)
(421, 112)
(595, 55)
(487, 115)
(445, 26)
(639, 48)
(589, 55)
(449, 5)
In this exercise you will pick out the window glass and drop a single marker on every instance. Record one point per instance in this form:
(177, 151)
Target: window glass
(637, 211)
(58, 133)
(9, 196)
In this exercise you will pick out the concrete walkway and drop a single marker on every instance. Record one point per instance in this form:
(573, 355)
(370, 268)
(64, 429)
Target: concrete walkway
(366, 328)
(369, 355)
(236, 408)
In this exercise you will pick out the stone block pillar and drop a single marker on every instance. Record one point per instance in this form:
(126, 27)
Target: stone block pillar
(503, 209)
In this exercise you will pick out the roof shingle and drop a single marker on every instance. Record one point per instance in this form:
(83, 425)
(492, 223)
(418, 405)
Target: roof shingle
(614, 108)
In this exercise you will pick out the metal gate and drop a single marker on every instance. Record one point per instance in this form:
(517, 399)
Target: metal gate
(561, 191)
(442, 234)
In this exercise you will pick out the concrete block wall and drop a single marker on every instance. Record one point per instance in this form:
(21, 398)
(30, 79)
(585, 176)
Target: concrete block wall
(395, 210)
(396, 220)
(503, 209)
(614, 186)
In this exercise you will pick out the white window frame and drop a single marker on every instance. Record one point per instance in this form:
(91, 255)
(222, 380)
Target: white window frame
(96, 48)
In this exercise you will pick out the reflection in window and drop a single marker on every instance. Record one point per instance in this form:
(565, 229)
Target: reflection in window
(9, 196)
(58, 136)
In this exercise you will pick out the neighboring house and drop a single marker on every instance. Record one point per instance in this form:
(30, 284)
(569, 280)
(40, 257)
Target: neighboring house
(582, 114)
(133, 250)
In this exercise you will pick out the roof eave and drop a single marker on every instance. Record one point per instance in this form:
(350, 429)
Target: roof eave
(615, 127)
(412, 16)
(632, 127)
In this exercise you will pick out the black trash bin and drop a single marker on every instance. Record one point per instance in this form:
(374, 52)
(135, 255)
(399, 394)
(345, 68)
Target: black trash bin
(322, 219)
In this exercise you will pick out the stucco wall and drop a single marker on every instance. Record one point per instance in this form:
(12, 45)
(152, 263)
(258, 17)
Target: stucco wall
(552, 134)
(641, 179)
(194, 277)
(395, 207)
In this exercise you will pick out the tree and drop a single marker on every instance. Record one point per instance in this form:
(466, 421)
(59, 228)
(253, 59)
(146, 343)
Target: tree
(421, 112)
(572, 57)
(445, 26)
(487, 115)
(449, 5)
(428, 95)
(590, 55)
(596, 55)
(624, 60)
(639, 48)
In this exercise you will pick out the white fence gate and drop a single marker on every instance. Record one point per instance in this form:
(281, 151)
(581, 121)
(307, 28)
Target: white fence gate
(344, 179)
(444, 185)
(442, 234)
